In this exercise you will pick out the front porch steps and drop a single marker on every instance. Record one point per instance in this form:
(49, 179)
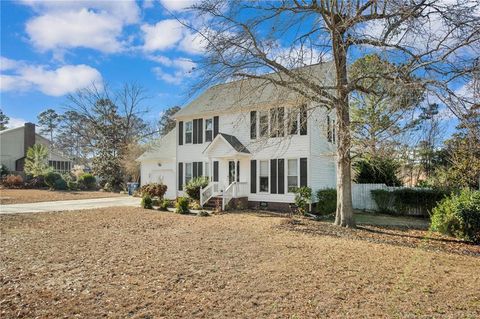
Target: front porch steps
(213, 203)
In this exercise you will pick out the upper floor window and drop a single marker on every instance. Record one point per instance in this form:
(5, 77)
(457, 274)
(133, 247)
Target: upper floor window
(293, 122)
(253, 125)
(188, 132)
(277, 122)
(263, 124)
(303, 120)
(208, 130)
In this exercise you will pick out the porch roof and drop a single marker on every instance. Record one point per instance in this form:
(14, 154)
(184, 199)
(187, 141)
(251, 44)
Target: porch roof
(225, 145)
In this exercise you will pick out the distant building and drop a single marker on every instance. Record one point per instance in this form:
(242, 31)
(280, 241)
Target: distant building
(15, 142)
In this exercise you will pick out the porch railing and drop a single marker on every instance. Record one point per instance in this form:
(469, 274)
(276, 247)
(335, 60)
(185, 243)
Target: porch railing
(208, 192)
(234, 190)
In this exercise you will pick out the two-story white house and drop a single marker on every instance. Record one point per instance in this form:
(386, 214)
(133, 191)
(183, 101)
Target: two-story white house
(256, 142)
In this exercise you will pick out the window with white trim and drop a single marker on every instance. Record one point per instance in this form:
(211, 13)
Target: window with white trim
(263, 124)
(292, 175)
(207, 170)
(188, 132)
(293, 116)
(188, 172)
(208, 130)
(264, 177)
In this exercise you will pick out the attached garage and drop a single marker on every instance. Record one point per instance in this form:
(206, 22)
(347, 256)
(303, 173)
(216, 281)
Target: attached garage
(158, 164)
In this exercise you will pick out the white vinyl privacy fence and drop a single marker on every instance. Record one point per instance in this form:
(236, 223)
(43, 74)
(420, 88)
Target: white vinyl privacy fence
(362, 197)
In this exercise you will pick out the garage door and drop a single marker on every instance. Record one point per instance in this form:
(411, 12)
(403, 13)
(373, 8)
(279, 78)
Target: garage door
(166, 177)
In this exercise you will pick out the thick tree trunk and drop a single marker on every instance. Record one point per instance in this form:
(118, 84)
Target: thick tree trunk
(344, 214)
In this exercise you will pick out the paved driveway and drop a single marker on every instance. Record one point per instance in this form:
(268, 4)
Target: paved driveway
(69, 205)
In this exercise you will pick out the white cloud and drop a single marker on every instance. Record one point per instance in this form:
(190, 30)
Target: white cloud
(54, 82)
(14, 122)
(177, 5)
(192, 43)
(178, 69)
(98, 25)
(163, 35)
(7, 64)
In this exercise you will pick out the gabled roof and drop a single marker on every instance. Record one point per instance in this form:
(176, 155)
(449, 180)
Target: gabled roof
(234, 146)
(163, 148)
(239, 95)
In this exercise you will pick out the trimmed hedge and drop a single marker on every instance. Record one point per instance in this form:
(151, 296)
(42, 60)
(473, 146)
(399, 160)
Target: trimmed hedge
(327, 201)
(87, 181)
(459, 216)
(146, 202)
(408, 201)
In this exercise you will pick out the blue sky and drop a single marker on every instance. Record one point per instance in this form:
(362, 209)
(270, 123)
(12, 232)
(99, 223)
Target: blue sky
(50, 49)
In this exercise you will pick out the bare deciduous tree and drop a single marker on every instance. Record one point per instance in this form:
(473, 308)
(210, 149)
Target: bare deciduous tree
(433, 41)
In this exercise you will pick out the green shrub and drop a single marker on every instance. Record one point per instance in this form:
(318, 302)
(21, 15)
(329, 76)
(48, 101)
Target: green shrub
(155, 202)
(60, 184)
(383, 199)
(146, 202)
(72, 185)
(51, 179)
(303, 197)
(194, 185)
(327, 201)
(377, 171)
(87, 181)
(181, 207)
(3, 170)
(153, 189)
(408, 201)
(164, 204)
(195, 205)
(459, 216)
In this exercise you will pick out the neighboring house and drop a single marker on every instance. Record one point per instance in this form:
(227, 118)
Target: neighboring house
(256, 142)
(15, 142)
(157, 165)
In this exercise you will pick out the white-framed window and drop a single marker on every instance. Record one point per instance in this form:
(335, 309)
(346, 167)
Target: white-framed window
(188, 132)
(292, 174)
(277, 128)
(188, 172)
(206, 169)
(263, 123)
(264, 175)
(293, 116)
(208, 130)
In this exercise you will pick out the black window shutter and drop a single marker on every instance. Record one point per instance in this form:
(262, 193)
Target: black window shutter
(273, 176)
(199, 169)
(215, 171)
(281, 121)
(195, 171)
(253, 125)
(180, 133)
(215, 126)
(180, 176)
(253, 176)
(195, 128)
(303, 172)
(200, 131)
(238, 171)
(303, 121)
(281, 176)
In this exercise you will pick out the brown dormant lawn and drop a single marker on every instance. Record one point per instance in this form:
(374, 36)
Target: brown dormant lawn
(18, 196)
(134, 263)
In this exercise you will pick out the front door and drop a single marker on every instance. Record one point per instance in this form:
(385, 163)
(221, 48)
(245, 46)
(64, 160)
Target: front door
(231, 172)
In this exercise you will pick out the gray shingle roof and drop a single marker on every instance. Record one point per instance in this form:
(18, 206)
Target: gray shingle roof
(250, 93)
(236, 144)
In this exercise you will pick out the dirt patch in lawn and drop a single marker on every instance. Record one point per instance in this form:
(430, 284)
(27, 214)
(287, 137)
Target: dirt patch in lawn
(18, 196)
(134, 263)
